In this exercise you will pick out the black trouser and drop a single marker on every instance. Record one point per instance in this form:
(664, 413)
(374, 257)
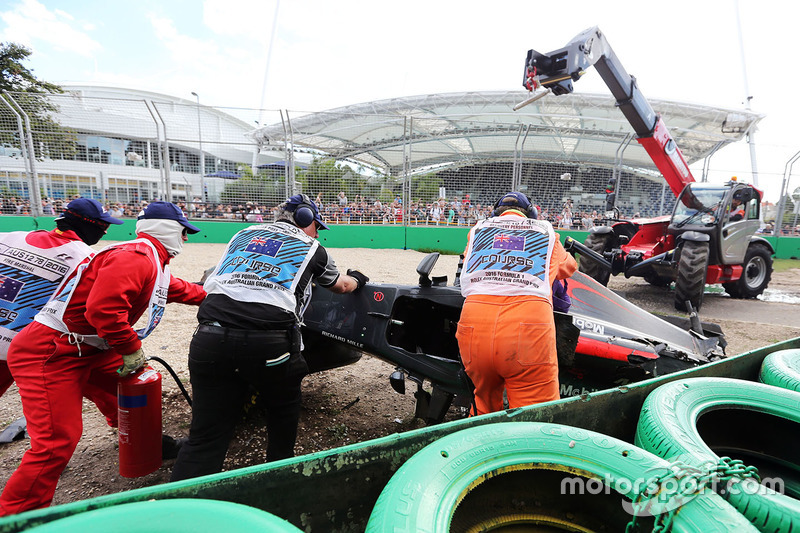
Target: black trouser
(223, 362)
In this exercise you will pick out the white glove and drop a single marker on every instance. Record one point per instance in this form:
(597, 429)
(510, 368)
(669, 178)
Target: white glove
(131, 363)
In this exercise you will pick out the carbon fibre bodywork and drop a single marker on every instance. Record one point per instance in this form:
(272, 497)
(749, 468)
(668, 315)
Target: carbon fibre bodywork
(604, 341)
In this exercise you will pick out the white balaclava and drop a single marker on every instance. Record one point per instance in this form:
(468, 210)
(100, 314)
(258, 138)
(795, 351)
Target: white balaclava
(168, 232)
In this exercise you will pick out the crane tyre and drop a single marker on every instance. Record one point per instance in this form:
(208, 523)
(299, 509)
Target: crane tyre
(597, 242)
(691, 280)
(509, 474)
(781, 369)
(756, 273)
(668, 427)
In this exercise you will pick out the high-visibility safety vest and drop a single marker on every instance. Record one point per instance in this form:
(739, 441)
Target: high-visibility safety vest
(29, 277)
(262, 264)
(508, 256)
(52, 314)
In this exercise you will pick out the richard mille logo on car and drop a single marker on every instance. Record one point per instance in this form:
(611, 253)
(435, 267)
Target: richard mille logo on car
(342, 339)
(588, 325)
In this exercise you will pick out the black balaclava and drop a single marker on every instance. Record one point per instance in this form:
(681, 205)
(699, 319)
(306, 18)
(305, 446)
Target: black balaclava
(88, 229)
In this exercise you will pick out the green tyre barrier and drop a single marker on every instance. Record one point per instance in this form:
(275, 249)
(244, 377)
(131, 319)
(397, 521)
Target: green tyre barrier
(171, 516)
(782, 369)
(732, 415)
(547, 476)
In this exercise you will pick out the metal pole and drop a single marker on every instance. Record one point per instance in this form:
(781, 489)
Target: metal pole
(22, 143)
(288, 189)
(516, 156)
(162, 178)
(290, 160)
(167, 196)
(782, 201)
(36, 197)
(751, 141)
(707, 161)
(202, 155)
(616, 172)
(517, 181)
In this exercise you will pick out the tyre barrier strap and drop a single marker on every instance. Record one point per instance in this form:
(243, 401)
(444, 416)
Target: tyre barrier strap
(690, 482)
(668, 427)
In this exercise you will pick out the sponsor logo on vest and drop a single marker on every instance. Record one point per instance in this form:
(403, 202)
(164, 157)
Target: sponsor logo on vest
(509, 259)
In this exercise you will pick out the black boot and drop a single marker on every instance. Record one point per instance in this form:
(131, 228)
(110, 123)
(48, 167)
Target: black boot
(170, 447)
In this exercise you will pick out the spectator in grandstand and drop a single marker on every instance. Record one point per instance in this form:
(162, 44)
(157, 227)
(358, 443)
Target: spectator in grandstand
(116, 210)
(566, 215)
(506, 332)
(47, 208)
(249, 334)
(436, 213)
(9, 206)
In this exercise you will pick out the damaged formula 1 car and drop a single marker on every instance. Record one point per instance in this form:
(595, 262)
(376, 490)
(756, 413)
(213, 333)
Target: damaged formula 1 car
(604, 341)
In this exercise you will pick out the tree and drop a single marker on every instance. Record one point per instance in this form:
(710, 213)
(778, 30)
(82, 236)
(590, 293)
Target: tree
(30, 93)
(17, 77)
(328, 177)
(263, 189)
(426, 186)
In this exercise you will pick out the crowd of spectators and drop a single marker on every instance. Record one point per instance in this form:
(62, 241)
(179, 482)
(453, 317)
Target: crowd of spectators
(459, 211)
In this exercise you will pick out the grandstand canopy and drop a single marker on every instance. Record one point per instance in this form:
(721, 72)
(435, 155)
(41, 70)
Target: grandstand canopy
(457, 129)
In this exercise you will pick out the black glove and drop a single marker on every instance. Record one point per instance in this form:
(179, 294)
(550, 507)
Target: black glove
(360, 278)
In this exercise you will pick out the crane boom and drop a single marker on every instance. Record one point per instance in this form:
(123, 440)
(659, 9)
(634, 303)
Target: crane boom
(557, 70)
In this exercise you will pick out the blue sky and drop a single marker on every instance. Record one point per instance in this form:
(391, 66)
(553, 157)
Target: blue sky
(327, 54)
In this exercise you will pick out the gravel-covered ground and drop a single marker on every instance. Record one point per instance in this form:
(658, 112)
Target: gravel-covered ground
(353, 403)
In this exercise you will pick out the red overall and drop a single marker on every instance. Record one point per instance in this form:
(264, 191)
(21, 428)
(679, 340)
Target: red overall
(40, 240)
(509, 342)
(53, 375)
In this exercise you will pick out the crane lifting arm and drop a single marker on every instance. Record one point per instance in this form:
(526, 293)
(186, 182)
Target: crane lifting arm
(557, 70)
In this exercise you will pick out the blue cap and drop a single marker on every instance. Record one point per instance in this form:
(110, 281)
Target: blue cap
(167, 211)
(301, 199)
(518, 201)
(89, 208)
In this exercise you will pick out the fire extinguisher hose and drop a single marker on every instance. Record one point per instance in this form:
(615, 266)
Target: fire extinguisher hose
(174, 376)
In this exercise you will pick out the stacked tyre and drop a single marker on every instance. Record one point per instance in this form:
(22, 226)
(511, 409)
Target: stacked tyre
(519, 475)
(546, 477)
(698, 420)
(171, 516)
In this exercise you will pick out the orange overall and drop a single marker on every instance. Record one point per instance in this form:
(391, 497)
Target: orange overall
(508, 341)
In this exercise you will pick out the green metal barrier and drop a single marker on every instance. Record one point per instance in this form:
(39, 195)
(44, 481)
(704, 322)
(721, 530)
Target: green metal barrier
(335, 490)
(447, 239)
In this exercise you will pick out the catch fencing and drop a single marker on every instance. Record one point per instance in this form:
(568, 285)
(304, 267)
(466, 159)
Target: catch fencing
(230, 163)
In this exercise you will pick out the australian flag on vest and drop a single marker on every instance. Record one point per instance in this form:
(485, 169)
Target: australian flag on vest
(265, 246)
(508, 242)
(9, 288)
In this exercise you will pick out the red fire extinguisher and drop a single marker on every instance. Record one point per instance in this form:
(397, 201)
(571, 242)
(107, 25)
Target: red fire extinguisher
(139, 409)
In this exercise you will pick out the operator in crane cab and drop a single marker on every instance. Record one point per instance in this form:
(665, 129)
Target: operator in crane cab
(737, 208)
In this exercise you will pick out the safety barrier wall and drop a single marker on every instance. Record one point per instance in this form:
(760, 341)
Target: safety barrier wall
(423, 238)
(366, 467)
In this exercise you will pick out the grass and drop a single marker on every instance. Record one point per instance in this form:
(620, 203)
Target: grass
(782, 265)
